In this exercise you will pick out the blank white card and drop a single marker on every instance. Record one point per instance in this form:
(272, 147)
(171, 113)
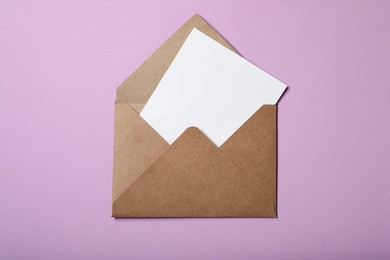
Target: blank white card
(210, 87)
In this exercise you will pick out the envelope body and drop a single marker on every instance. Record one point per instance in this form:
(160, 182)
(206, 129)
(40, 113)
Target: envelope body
(192, 177)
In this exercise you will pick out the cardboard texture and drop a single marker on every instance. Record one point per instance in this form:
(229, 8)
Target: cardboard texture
(191, 177)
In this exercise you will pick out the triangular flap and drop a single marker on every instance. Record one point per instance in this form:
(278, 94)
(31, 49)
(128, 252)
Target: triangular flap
(136, 142)
(137, 89)
(253, 148)
(193, 178)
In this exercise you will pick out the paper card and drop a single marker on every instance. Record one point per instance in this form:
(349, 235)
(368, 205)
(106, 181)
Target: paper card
(210, 87)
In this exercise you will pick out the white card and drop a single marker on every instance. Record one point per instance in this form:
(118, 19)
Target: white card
(210, 87)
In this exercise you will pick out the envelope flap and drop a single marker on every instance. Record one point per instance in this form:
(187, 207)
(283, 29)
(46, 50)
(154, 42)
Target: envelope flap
(253, 148)
(193, 178)
(137, 89)
(136, 147)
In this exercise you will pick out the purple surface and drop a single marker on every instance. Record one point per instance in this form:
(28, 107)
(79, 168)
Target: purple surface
(60, 63)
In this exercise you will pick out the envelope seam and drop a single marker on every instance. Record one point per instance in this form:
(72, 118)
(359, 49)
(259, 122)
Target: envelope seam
(149, 164)
(139, 176)
(258, 186)
(129, 185)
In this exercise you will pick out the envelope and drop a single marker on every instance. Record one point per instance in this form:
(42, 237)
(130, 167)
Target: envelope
(191, 177)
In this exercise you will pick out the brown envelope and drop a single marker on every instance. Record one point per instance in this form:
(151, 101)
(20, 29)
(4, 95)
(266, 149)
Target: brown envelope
(192, 177)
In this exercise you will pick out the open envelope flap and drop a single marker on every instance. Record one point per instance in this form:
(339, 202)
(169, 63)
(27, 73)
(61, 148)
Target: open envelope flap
(137, 89)
(193, 178)
(253, 148)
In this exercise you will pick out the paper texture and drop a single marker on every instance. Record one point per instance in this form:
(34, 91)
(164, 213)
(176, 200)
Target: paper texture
(210, 87)
(189, 178)
(172, 186)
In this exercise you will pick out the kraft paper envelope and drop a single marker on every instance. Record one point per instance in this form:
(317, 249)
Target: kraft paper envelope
(192, 177)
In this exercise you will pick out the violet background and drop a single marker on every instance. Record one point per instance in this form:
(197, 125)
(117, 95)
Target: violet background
(61, 61)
